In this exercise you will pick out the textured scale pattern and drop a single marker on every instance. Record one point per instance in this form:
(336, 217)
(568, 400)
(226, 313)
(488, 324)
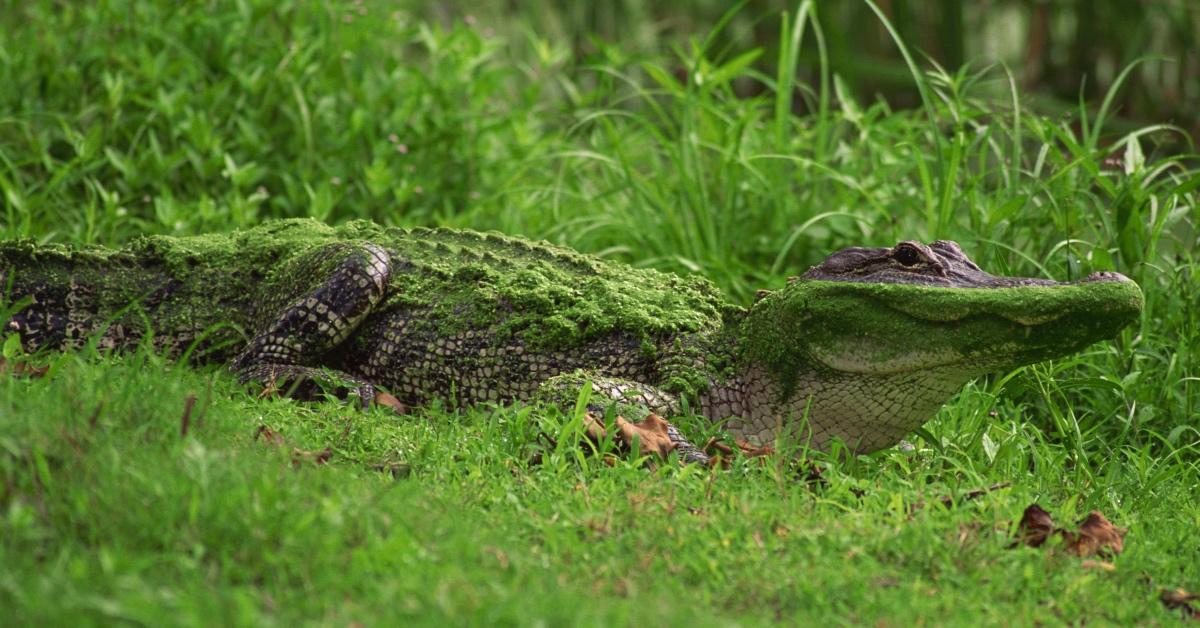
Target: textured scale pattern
(872, 412)
(473, 366)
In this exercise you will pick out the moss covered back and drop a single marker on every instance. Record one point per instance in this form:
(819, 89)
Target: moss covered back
(551, 296)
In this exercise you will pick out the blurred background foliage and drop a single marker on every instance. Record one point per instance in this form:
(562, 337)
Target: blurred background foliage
(742, 141)
(1062, 51)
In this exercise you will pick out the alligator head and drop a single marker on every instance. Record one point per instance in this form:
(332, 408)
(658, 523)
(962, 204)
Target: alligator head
(911, 324)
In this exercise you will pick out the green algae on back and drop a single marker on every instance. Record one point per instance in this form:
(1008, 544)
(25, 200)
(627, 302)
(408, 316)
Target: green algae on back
(551, 296)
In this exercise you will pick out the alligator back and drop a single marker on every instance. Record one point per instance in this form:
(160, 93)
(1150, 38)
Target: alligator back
(213, 291)
(552, 297)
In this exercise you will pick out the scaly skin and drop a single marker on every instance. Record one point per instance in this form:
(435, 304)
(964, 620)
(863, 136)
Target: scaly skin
(863, 348)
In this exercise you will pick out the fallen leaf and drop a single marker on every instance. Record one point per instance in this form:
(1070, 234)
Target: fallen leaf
(714, 447)
(1036, 526)
(268, 436)
(720, 454)
(967, 533)
(594, 527)
(750, 451)
(1096, 535)
(499, 554)
(651, 434)
(593, 426)
(22, 369)
(300, 456)
(388, 401)
(1179, 599)
(1175, 597)
(1098, 564)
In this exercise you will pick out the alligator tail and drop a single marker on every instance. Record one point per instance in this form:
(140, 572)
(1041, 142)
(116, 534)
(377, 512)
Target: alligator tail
(57, 297)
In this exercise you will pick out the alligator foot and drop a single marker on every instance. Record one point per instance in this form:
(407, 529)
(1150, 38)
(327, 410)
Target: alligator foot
(303, 382)
(318, 300)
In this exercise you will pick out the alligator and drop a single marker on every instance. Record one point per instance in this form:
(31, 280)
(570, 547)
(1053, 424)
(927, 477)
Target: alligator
(862, 348)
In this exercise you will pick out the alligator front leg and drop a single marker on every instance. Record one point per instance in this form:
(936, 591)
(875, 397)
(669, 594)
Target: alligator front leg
(639, 409)
(314, 303)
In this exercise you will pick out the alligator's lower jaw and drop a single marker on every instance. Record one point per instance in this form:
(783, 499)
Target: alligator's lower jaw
(865, 412)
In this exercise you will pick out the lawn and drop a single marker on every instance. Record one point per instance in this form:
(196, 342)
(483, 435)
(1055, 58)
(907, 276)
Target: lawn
(139, 490)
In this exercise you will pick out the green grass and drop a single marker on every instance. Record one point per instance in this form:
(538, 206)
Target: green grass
(124, 118)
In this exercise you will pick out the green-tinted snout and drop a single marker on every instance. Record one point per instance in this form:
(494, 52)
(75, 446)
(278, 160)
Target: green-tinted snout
(894, 328)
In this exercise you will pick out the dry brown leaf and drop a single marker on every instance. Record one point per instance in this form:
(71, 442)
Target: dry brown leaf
(593, 426)
(1096, 535)
(651, 434)
(1179, 599)
(388, 401)
(22, 369)
(268, 436)
(714, 447)
(1036, 526)
(720, 454)
(499, 554)
(1175, 597)
(1098, 564)
(967, 533)
(750, 451)
(300, 456)
(595, 527)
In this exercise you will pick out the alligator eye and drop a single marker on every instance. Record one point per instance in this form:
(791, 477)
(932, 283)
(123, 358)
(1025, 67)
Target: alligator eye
(907, 255)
